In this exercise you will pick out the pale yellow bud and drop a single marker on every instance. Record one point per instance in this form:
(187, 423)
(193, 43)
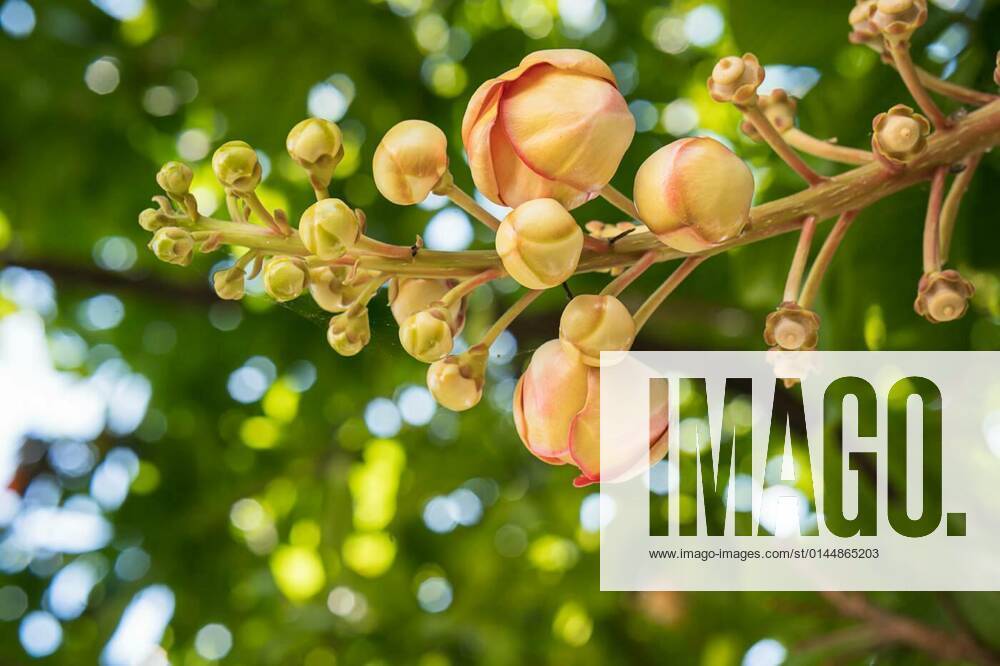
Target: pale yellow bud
(410, 295)
(694, 193)
(152, 219)
(410, 161)
(229, 284)
(593, 323)
(863, 30)
(316, 145)
(899, 19)
(236, 166)
(539, 244)
(349, 332)
(899, 135)
(175, 178)
(329, 228)
(456, 382)
(336, 288)
(285, 278)
(736, 80)
(428, 335)
(173, 245)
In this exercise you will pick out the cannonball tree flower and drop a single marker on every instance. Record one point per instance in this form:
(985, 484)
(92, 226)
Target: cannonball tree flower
(899, 135)
(456, 382)
(173, 245)
(898, 19)
(411, 295)
(336, 288)
(539, 243)
(316, 145)
(592, 323)
(557, 415)
(428, 335)
(175, 178)
(410, 161)
(329, 228)
(152, 219)
(735, 79)
(863, 30)
(792, 328)
(236, 166)
(229, 284)
(694, 193)
(285, 278)
(943, 296)
(778, 108)
(556, 126)
(349, 332)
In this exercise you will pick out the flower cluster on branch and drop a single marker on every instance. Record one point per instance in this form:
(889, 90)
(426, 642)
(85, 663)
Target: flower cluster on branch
(544, 138)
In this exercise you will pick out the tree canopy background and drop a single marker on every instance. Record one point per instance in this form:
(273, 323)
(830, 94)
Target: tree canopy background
(212, 478)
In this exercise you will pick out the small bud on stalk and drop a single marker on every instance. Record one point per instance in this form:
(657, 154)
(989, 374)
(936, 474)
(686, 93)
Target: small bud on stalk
(410, 161)
(329, 228)
(317, 146)
(152, 219)
(943, 296)
(792, 328)
(863, 30)
(593, 323)
(336, 288)
(230, 283)
(410, 295)
(539, 244)
(778, 108)
(736, 80)
(236, 166)
(557, 415)
(349, 332)
(285, 278)
(556, 126)
(173, 245)
(897, 20)
(175, 178)
(456, 382)
(899, 135)
(694, 193)
(428, 335)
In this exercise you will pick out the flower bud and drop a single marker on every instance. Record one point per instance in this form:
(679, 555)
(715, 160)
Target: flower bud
(410, 161)
(899, 19)
(736, 80)
(285, 278)
(235, 165)
(899, 134)
(456, 382)
(863, 30)
(336, 288)
(556, 126)
(229, 284)
(152, 219)
(329, 228)
(779, 109)
(349, 332)
(694, 193)
(175, 178)
(428, 335)
(792, 328)
(943, 296)
(593, 323)
(557, 414)
(410, 295)
(317, 146)
(173, 245)
(539, 244)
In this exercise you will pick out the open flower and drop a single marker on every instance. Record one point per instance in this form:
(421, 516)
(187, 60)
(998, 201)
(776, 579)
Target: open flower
(694, 193)
(557, 413)
(899, 135)
(943, 296)
(556, 126)
(539, 244)
(792, 328)
(593, 323)
(410, 161)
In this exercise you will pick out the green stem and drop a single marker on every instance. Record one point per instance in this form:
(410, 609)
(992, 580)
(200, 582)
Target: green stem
(824, 257)
(512, 313)
(949, 211)
(932, 234)
(466, 287)
(257, 206)
(367, 293)
(377, 247)
(656, 299)
(620, 201)
(799, 259)
(461, 199)
(620, 283)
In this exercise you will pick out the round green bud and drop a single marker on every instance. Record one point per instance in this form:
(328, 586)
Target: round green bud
(229, 284)
(317, 146)
(175, 178)
(285, 278)
(329, 228)
(349, 332)
(428, 335)
(173, 245)
(152, 219)
(235, 165)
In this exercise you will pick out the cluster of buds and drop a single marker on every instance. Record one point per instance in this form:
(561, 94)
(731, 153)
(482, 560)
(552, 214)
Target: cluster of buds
(544, 138)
